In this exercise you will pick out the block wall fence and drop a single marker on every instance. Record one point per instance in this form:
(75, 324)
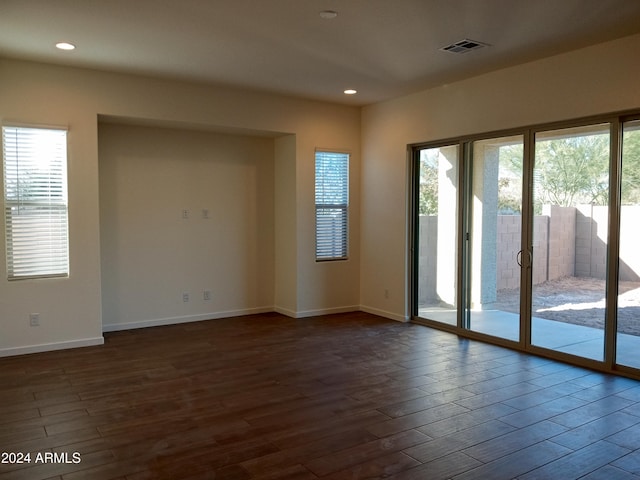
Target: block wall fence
(568, 242)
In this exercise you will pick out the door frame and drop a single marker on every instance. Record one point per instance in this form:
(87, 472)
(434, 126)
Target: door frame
(461, 328)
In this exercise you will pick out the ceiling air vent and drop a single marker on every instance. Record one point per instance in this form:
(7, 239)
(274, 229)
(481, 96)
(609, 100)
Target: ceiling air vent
(464, 46)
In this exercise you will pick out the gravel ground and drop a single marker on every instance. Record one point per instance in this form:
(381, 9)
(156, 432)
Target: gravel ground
(580, 301)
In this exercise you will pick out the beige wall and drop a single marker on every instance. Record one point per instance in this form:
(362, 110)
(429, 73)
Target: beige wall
(286, 288)
(151, 255)
(71, 309)
(594, 80)
(590, 81)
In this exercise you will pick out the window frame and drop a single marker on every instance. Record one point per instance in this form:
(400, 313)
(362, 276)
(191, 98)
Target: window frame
(48, 256)
(332, 243)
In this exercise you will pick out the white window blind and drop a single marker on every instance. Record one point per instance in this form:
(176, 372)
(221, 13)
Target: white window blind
(35, 202)
(332, 205)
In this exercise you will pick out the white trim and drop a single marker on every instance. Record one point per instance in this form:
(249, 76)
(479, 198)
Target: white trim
(315, 313)
(285, 311)
(46, 126)
(385, 314)
(327, 311)
(49, 347)
(115, 327)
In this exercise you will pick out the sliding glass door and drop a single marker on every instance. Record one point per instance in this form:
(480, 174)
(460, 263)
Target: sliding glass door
(495, 241)
(436, 233)
(628, 308)
(570, 239)
(530, 239)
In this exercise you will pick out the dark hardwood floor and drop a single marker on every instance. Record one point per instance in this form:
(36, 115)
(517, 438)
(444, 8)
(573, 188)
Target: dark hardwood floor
(347, 396)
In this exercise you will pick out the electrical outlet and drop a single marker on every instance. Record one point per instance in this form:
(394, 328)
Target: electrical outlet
(386, 293)
(205, 213)
(206, 295)
(185, 213)
(185, 297)
(34, 319)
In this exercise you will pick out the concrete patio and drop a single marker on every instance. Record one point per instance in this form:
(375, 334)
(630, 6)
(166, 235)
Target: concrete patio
(587, 342)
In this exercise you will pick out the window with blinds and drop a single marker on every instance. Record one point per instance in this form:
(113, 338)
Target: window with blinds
(35, 202)
(332, 205)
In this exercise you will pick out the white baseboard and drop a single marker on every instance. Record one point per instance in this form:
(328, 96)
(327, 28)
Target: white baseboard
(115, 327)
(327, 311)
(49, 347)
(285, 311)
(315, 313)
(385, 314)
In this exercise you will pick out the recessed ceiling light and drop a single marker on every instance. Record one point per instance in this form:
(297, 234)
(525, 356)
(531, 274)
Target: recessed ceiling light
(328, 14)
(350, 91)
(65, 46)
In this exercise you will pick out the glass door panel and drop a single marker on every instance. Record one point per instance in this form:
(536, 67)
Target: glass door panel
(628, 313)
(493, 294)
(437, 234)
(570, 235)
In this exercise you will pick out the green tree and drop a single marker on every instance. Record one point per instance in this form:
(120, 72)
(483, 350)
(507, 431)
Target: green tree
(428, 191)
(510, 181)
(568, 171)
(572, 170)
(631, 167)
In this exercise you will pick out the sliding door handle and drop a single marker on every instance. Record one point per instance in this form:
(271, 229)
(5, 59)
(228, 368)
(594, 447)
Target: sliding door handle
(519, 258)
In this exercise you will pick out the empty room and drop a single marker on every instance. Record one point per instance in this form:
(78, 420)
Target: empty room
(320, 239)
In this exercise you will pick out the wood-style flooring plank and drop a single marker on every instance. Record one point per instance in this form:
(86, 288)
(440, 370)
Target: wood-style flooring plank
(346, 396)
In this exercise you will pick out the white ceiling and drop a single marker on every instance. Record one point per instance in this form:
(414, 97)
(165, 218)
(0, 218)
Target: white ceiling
(382, 48)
